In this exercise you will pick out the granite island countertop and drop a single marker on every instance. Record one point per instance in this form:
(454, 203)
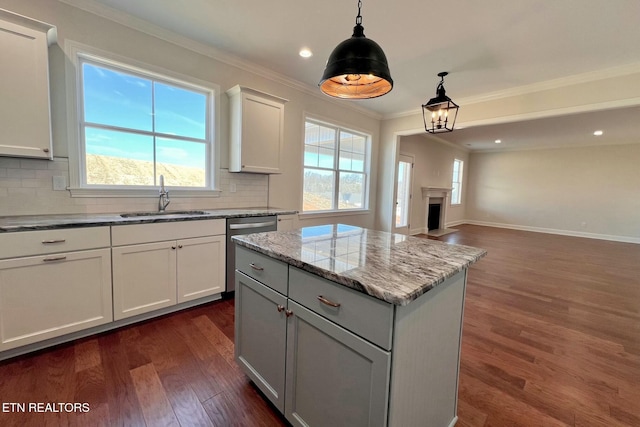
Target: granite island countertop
(49, 222)
(391, 267)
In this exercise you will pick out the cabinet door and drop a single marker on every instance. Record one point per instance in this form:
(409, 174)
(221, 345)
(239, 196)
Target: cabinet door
(201, 264)
(48, 296)
(24, 84)
(286, 222)
(334, 378)
(260, 336)
(144, 278)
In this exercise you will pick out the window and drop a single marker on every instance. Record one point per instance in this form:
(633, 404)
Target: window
(137, 125)
(456, 193)
(336, 163)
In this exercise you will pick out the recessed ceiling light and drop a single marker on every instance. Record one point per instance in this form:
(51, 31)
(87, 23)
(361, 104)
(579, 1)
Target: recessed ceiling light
(598, 133)
(305, 53)
(497, 141)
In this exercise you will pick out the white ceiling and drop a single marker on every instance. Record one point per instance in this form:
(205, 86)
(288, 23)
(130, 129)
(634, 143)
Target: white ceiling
(487, 46)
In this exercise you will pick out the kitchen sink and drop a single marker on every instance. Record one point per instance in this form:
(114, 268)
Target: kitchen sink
(163, 213)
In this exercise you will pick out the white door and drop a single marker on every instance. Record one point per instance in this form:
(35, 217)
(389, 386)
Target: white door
(404, 178)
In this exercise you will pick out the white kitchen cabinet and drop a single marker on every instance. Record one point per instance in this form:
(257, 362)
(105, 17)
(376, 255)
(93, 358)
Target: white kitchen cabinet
(287, 222)
(54, 294)
(256, 131)
(151, 272)
(25, 117)
(144, 278)
(201, 267)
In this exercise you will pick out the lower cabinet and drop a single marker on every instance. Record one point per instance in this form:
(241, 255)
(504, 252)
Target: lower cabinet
(261, 330)
(144, 278)
(47, 296)
(333, 377)
(326, 355)
(151, 276)
(314, 371)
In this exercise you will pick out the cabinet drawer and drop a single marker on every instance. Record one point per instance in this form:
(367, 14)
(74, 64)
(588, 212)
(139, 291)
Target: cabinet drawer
(269, 271)
(26, 243)
(359, 313)
(160, 231)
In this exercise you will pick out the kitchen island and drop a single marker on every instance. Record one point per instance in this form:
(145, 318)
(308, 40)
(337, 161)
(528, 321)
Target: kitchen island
(340, 325)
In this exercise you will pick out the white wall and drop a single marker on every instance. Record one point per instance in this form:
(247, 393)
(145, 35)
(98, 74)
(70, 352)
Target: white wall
(433, 167)
(26, 185)
(589, 191)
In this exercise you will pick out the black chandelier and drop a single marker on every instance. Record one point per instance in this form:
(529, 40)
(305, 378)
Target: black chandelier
(357, 68)
(440, 113)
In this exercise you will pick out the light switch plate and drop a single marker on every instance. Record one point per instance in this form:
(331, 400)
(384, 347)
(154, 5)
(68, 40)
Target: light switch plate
(59, 183)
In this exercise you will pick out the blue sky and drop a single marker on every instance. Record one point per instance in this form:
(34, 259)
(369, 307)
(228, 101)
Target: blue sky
(128, 101)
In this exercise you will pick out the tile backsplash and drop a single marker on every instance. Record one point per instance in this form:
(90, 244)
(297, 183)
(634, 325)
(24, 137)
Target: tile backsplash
(26, 188)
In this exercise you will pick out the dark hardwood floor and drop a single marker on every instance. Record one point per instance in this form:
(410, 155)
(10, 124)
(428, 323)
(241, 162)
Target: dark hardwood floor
(551, 338)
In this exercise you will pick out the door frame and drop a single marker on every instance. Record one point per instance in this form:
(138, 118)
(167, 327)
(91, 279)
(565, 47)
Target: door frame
(404, 229)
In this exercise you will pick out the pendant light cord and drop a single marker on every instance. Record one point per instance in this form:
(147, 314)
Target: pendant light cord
(359, 17)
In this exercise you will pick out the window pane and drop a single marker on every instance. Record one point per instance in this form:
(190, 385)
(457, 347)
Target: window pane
(116, 99)
(179, 111)
(455, 194)
(118, 158)
(325, 159)
(318, 190)
(345, 161)
(182, 163)
(311, 155)
(351, 194)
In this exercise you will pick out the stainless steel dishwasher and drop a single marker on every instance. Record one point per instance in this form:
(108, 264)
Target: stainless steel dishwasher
(237, 226)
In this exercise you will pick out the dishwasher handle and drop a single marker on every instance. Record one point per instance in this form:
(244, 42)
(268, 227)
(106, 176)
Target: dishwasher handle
(250, 225)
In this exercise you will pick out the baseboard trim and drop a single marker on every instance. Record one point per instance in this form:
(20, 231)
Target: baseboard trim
(613, 238)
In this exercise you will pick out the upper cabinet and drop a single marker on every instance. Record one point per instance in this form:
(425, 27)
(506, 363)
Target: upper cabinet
(256, 131)
(25, 117)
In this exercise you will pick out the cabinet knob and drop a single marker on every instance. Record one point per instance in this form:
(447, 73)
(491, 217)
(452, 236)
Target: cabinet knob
(46, 150)
(179, 246)
(280, 308)
(288, 313)
(173, 247)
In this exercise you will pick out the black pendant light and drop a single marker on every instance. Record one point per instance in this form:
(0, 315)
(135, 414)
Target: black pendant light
(357, 68)
(440, 113)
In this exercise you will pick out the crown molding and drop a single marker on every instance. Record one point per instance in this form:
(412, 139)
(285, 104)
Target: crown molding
(122, 18)
(576, 79)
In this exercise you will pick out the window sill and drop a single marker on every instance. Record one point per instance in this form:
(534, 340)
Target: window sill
(139, 193)
(327, 214)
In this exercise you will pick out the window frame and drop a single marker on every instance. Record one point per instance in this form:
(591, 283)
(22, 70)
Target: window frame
(336, 169)
(459, 182)
(80, 54)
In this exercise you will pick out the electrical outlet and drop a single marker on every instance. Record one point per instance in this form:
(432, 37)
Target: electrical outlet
(59, 183)
(232, 187)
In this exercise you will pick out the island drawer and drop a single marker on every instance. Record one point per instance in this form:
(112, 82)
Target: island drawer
(42, 242)
(364, 315)
(262, 268)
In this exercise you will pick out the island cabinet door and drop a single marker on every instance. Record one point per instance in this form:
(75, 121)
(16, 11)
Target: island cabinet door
(260, 336)
(334, 378)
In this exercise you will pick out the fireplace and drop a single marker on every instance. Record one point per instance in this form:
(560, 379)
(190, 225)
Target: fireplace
(436, 203)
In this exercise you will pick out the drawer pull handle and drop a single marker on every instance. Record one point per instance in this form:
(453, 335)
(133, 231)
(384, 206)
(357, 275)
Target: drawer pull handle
(55, 258)
(327, 302)
(288, 313)
(256, 267)
(280, 308)
(46, 242)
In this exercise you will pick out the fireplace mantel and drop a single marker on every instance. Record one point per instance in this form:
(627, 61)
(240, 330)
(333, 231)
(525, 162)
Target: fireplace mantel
(444, 195)
(428, 192)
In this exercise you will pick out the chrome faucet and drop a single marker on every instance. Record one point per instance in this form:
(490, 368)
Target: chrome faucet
(163, 201)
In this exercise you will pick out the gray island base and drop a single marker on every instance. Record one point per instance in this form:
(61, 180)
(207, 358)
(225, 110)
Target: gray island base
(344, 326)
